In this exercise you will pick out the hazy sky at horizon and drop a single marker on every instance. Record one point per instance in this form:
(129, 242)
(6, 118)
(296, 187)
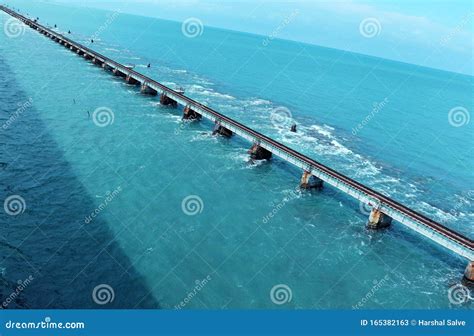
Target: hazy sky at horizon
(438, 34)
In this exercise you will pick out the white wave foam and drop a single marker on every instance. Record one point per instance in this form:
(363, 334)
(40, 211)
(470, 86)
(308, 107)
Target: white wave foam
(205, 136)
(436, 212)
(388, 179)
(239, 157)
(152, 115)
(194, 88)
(340, 149)
(258, 102)
(323, 130)
(201, 90)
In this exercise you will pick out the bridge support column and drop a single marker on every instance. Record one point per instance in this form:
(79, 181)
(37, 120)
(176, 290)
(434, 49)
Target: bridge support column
(145, 89)
(190, 114)
(118, 73)
(106, 67)
(165, 100)
(131, 80)
(87, 56)
(378, 220)
(309, 181)
(259, 153)
(468, 278)
(221, 130)
(98, 62)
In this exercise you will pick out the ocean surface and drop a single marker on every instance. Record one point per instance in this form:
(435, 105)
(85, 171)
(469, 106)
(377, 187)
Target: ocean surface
(247, 228)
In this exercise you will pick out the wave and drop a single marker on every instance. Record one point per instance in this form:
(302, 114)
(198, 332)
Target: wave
(324, 130)
(208, 92)
(437, 213)
(258, 102)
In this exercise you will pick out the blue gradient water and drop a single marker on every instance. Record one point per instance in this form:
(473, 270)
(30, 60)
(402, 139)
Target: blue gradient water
(146, 248)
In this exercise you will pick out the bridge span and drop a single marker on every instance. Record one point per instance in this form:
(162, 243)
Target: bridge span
(383, 208)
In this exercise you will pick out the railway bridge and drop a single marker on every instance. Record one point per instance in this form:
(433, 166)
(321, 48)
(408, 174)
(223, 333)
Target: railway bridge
(314, 174)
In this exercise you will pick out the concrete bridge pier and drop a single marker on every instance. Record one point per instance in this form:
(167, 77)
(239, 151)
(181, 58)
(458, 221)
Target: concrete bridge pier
(190, 114)
(259, 153)
(309, 181)
(132, 81)
(145, 89)
(107, 67)
(378, 220)
(98, 62)
(221, 130)
(165, 100)
(468, 278)
(118, 73)
(87, 56)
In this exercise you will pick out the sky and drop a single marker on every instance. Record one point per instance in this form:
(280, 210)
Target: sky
(437, 34)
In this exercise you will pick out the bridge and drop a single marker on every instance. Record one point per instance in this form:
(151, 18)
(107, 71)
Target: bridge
(314, 173)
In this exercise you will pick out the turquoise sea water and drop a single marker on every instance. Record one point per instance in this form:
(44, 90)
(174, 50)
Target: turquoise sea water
(144, 246)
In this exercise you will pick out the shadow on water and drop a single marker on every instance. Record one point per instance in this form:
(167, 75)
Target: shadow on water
(49, 257)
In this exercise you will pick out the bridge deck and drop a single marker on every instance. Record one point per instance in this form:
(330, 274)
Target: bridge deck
(440, 234)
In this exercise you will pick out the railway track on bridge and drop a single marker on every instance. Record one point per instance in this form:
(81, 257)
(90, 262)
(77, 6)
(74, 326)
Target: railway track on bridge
(439, 233)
